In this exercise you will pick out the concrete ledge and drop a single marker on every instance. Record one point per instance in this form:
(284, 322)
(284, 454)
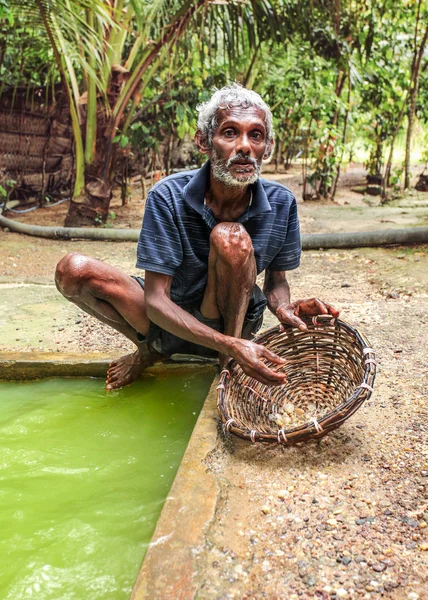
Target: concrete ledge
(25, 365)
(18, 366)
(168, 569)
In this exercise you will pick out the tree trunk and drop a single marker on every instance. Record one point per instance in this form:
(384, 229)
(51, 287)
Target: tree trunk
(416, 69)
(277, 155)
(92, 206)
(324, 187)
(305, 194)
(345, 127)
(391, 151)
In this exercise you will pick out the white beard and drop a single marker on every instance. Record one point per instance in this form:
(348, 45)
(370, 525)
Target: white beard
(220, 171)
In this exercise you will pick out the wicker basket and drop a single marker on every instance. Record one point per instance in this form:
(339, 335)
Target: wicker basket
(330, 373)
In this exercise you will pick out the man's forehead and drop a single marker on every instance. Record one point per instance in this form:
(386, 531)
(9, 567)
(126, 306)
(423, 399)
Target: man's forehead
(240, 112)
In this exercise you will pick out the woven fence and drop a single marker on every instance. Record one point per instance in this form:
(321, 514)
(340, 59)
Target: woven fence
(35, 141)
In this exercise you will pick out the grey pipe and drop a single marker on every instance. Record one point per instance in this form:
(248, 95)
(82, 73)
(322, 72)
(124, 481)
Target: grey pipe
(71, 233)
(312, 241)
(360, 239)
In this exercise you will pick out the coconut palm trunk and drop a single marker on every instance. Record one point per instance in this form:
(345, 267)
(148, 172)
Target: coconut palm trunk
(91, 205)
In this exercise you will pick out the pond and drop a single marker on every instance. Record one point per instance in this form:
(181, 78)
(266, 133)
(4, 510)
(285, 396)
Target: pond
(83, 478)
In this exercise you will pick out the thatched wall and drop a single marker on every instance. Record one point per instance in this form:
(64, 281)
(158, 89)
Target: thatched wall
(35, 140)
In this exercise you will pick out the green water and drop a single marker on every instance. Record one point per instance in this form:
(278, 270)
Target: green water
(83, 477)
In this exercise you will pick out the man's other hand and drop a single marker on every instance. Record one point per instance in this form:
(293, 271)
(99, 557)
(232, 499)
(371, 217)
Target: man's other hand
(290, 314)
(250, 355)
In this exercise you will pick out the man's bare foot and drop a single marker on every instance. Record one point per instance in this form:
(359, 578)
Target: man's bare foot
(127, 369)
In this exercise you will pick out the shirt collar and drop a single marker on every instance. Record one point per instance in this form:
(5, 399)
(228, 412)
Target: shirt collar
(194, 194)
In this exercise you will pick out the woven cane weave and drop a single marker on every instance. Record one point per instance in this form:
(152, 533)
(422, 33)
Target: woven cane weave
(330, 372)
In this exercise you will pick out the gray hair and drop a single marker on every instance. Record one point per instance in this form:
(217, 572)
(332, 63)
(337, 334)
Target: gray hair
(234, 94)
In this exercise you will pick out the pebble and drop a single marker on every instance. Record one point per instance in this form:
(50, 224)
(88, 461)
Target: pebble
(391, 584)
(265, 509)
(341, 593)
(359, 558)
(309, 581)
(412, 596)
(379, 567)
(388, 562)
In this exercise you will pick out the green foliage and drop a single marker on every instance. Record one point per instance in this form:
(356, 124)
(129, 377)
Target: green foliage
(327, 152)
(331, 71)
(7, 185)
(395, 179)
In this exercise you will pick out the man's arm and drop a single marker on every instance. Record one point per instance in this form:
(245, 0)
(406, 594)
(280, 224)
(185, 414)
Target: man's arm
(277, 292)
(168, 315)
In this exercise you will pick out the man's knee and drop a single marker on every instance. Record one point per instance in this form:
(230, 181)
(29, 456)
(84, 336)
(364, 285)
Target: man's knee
(71, 273)
(232, 241)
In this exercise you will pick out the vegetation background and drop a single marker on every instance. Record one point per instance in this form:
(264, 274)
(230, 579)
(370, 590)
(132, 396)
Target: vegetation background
(347, 80)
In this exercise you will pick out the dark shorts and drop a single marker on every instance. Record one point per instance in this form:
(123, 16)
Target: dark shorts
(167, 343)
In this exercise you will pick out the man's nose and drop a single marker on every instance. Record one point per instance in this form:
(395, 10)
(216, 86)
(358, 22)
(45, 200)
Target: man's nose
(243, 144)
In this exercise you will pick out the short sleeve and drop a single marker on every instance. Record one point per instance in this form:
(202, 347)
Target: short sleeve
(288, 258)
(159, 246)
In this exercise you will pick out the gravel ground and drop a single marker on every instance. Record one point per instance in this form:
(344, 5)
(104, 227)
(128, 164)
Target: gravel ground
(345, 518)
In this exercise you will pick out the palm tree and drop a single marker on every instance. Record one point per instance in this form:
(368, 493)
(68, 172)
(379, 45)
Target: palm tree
(108, 51)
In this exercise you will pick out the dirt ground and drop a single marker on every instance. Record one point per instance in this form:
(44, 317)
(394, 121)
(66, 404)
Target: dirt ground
(346, 518)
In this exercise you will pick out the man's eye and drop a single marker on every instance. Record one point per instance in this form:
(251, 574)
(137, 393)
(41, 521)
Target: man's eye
(257, 135)
(229, 133)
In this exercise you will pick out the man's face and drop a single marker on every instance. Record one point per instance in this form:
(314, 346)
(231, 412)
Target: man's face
(239, 145)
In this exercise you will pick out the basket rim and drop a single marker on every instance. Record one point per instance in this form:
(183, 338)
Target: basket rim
(320, 427)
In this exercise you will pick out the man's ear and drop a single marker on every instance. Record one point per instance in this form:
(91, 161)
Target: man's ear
(201, 141)
(268, 150)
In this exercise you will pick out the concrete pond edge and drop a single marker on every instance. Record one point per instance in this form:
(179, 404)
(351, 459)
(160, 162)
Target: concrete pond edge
(168, 571)
(21, 366)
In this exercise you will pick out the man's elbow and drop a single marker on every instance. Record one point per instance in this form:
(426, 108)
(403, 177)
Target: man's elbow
(150, 306)
(154, 303)
(150, 311)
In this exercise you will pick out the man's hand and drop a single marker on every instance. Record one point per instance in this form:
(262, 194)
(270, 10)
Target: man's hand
(250, 355)
(289, 313)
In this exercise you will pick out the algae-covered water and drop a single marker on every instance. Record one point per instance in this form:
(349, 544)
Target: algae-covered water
(83, 477)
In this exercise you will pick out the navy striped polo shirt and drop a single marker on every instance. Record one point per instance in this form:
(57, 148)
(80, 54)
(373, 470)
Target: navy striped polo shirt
(175, 236)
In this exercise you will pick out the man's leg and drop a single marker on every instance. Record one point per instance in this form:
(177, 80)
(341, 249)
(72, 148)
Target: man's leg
(231, 277)
(115, 299)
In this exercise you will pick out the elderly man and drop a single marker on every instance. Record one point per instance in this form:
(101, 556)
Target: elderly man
(206, 235)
